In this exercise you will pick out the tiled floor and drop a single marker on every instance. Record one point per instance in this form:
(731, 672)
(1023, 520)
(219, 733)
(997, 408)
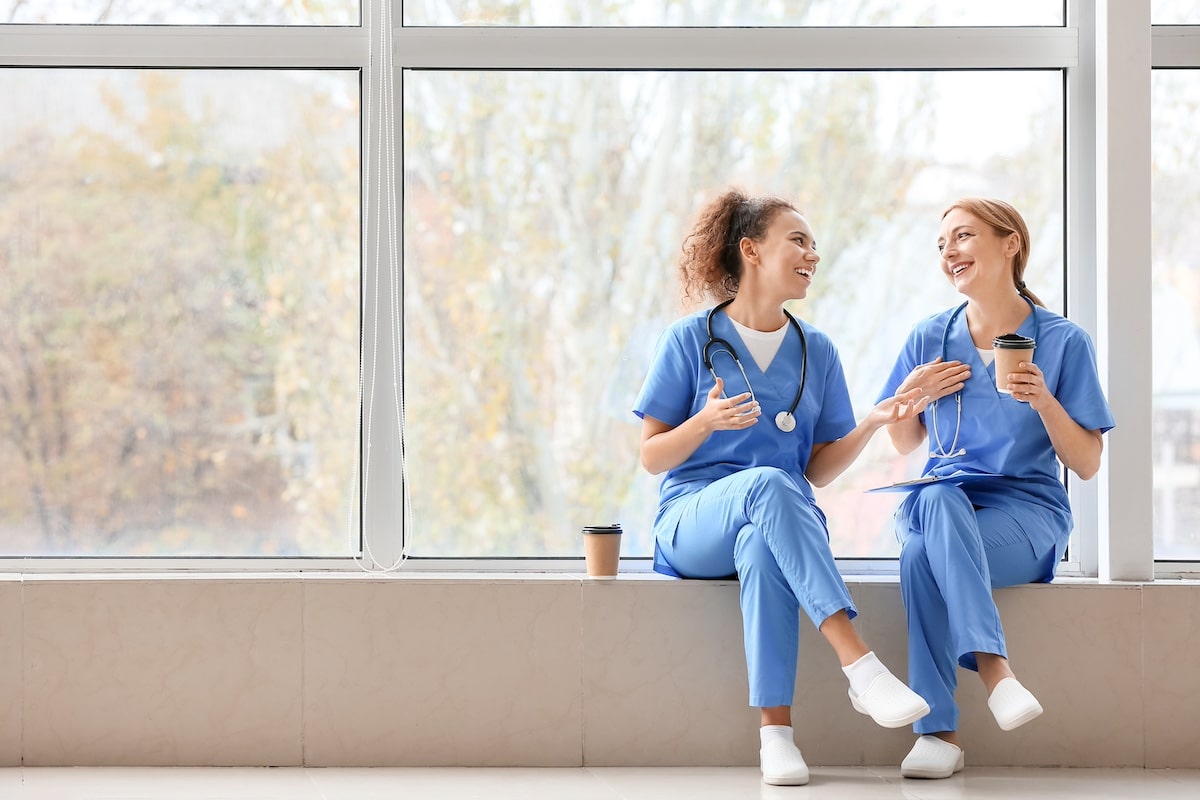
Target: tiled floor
(735, 783)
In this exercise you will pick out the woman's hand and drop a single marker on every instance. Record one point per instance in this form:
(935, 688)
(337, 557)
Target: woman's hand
(1077, 447)
(901, 406)
(665, 447)
(728, 413)
(1028, 385)
(830, 459)
(932, 381)
(936, 379)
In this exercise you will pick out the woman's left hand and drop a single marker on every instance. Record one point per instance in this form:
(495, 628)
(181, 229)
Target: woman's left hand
(1028, 385)
(1077, 447)
(899, 407)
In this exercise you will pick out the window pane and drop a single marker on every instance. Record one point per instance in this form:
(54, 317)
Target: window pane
(722, 13)
(179, 284)
(1175, 12)
(544, 214)
(1175, 204)
(181, 12)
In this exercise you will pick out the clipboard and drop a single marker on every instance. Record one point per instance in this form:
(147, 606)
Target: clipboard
(955, 478)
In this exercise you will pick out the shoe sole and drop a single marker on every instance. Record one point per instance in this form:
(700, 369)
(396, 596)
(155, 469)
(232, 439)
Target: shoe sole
(931, 774)
(928, 774)
(925, 775)
(896, 723)
(785, 781)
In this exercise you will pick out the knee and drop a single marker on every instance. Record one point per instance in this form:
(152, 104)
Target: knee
(769, 481)
(938, 511)
(773, 489)
(940, 497)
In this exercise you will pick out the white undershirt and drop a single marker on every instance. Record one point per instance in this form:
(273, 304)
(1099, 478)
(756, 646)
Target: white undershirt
(763, 345)
(987, 355)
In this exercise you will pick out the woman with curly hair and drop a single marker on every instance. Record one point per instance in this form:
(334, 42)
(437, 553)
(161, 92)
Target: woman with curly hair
(737, 496)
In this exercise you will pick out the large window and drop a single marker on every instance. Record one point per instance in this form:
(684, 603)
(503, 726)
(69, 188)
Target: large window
(1176, 287)
(1175, 175)
(180, 270)
(545, 214)
(357, 279)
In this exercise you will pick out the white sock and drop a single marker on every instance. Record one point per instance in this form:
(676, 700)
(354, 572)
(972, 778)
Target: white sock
(863, 671)
(768, 733)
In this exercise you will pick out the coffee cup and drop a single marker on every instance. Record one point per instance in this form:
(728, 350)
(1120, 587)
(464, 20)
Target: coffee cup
(602, 551)
(1010, 350)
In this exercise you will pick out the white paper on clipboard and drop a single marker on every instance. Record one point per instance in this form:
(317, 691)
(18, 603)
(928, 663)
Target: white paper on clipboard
(916, 483)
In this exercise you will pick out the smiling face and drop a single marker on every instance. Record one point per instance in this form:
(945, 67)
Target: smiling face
(974, 257)
(786, 257)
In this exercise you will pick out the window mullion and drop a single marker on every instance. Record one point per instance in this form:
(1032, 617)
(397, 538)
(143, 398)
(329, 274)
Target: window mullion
(1123, 266)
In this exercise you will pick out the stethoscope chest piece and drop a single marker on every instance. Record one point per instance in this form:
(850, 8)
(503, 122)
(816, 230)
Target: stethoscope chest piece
(784, 420)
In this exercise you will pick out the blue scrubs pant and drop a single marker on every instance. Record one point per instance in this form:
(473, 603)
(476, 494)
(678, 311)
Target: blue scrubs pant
(759, 524)
(952, 556)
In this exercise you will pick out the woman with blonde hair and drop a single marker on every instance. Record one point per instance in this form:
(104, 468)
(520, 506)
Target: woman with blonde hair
(1007, 521)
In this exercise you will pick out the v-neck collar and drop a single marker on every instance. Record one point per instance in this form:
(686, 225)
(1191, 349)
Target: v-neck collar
(959, 339)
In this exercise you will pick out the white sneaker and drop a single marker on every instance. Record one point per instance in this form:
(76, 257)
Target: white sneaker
(889, 702)
(932, 758)
(782, 764)
(1012, 704)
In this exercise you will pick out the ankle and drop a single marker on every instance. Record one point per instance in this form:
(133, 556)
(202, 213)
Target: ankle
(776, 715)
(992, 669)
(769, 733)
(950, 737)
(863, 671)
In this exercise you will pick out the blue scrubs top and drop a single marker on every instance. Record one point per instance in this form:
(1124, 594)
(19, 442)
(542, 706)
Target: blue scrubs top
(677, 386)
(1002, 435)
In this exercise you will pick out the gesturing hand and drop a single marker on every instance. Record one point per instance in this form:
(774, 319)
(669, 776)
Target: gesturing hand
(899, 407)
(729, 413)
(936, 379)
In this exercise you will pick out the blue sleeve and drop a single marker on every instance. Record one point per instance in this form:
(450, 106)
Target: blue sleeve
(670, 387)
(837, 414)
(1079, 388)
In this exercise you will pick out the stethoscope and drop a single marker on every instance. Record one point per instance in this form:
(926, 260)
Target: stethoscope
(955, 450)
(784, 420)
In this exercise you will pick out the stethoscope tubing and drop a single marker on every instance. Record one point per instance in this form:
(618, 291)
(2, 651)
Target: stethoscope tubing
(785, 421)
(955, 451)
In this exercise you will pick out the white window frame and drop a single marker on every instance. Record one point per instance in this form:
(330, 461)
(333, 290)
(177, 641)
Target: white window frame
(1172, 46)
(1104, 50)
(251, 47)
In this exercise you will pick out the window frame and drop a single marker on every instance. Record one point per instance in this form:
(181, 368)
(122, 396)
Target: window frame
(1102, 51)
(1172, 47)
(205, 47)
(582, 49)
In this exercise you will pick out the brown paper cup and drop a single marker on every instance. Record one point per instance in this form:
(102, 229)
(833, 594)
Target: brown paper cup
(602, 550)
(1010, 350)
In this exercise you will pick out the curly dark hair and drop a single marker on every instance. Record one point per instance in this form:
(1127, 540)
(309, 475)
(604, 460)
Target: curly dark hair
(711, 264)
